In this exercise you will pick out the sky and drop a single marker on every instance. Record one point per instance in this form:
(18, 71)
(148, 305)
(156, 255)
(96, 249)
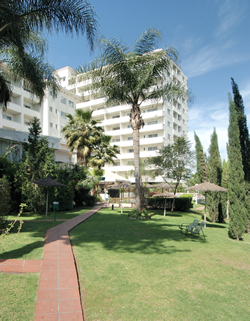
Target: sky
(211, 36)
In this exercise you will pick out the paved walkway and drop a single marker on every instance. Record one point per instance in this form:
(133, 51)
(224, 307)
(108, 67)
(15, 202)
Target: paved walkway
(58, 297)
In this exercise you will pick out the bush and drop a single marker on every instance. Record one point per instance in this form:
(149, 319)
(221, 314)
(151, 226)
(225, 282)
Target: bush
(4, 197)
(190, 197)
(114, 193)
(89, 200)
(181, 204)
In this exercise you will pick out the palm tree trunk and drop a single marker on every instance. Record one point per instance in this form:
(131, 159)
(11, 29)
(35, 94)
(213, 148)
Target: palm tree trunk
(136, 145)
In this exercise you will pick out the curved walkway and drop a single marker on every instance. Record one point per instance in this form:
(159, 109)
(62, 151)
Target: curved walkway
(58, 297)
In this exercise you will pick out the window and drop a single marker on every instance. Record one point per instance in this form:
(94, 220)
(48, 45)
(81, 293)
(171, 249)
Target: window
(116, 140)
(130, 150)
(26, 106)
(169, 125)
(152, 148)
(183, 132)
(128, 114)
(63, 100)
(152, 122)
(71, 104)
(130, 138)
(56, 126)
(152, 109)
(169, 112)
(130, 162)
(56, 111)
(51, 94)
(129, 126)
(51, 125)
(63, 78)
(183, 110)
(152, 135)
(116, 116)
(6, 117)
(116, 128)
(169, 136)
(50, 109)
(63, 114)
(184, 121)
(117, 163)
(27, 123)
(100, 108)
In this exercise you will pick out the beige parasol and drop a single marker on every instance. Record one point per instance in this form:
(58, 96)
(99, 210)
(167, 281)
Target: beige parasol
(207, 187)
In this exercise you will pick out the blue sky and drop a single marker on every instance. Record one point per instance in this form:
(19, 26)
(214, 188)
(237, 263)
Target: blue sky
(212, 37)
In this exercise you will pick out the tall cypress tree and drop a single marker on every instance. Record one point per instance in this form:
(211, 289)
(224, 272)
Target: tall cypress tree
(236, 183)
(200, 160)
(214, 167)
(244, 134)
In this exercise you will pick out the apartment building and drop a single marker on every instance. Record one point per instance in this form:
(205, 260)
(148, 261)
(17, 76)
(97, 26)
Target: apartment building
(164, 120)
(24, 106)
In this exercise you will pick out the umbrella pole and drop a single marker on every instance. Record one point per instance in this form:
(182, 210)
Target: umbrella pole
(165, 207)
(205, 215)
(47, 201)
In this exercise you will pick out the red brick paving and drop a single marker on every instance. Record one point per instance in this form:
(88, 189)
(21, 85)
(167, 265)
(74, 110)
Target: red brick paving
(58, 297)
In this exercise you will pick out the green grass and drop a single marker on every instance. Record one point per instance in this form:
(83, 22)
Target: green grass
(148, 270)
(18, 296)
(62, 215)
(28, 244)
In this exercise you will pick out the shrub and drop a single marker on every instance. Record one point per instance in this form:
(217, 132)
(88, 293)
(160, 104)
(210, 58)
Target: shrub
(181, 204)
(89, 200)
(4, 197)
(114, 193)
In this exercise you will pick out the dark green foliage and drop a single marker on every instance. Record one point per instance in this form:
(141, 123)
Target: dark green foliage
(6, 168)
(214, 168)
(89, 200)
(243, 130)
(21, 45)
(37, 163)
(236, 184)
(175, 162)
(181, 204)
(114, 193)
(200, 161)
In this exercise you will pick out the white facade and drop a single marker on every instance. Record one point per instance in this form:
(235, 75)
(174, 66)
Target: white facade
(24, 106)
(164, 120)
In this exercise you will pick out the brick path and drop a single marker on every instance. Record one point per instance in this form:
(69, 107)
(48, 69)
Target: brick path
(58, 297)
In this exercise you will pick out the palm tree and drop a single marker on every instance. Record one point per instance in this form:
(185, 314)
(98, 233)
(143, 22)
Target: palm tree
(103, 152)
(82, 133)
(21, 47)
(132, 76)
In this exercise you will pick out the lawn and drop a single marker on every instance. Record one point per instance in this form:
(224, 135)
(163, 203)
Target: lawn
(148, 270)
(19, 291)
(62, 215)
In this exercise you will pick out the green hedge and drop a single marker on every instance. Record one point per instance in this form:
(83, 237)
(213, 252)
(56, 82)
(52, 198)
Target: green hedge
(114, 193)
(181, 204)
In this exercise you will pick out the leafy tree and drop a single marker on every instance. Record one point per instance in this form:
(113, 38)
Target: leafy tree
(37, 163)
(125, 75)
(244, 133)
(224, 183)
(22, 48)
(103, 152)
(200, 161)
(82, 133)
(236, 183)
(214, 165)
(174, 163)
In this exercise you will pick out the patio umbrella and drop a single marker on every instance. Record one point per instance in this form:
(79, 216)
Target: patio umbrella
(160, 185)
(121, 185)
(207, 187)
(165, 195)
(49, 182)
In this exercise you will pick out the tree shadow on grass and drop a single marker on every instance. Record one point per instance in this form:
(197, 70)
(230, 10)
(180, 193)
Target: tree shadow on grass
(117, 233)
(26, 242)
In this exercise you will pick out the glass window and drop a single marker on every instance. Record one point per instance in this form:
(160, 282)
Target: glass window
(152, 135)
(51, 125)
(130, 150)
(63, 100)
(130, 138)
(152, 122)
(152, 148)
(152, 109)
(116, 116)
(71, 104)
(129, 126)
(116, 128)
(169, 125)
(116, 140)
(6, 117)
(50, 109)
(169, 112)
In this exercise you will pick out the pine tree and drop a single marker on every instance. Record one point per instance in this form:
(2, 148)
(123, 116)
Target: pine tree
(200, 161)
(214, 175)
(236, 183)
(244, 134)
